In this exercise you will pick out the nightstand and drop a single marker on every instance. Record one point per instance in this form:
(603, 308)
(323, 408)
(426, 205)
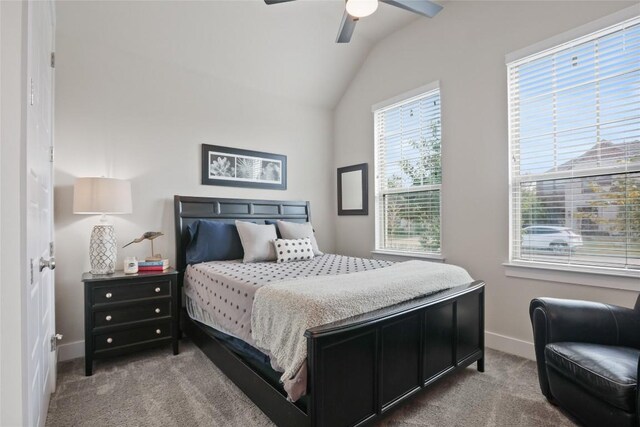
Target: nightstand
(124, 313)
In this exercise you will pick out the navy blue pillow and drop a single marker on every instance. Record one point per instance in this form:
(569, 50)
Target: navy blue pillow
(272, 222)
(213, 241)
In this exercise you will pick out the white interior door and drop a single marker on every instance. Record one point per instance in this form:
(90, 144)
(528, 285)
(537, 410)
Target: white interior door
(39, 156)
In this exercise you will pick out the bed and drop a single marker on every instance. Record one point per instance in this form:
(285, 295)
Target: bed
(357, 368)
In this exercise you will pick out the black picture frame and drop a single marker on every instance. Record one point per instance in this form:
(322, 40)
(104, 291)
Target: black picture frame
(235, 167)
(364, 186)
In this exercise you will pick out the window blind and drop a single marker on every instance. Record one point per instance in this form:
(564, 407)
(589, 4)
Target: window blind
(574, 130)
(408, 174)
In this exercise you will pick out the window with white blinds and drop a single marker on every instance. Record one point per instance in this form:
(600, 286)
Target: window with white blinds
(574, 118)
(408, 174)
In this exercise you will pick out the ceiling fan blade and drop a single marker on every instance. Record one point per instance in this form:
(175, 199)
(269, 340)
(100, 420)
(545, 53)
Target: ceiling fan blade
(347, 26)
(276, 1)
(421, 7)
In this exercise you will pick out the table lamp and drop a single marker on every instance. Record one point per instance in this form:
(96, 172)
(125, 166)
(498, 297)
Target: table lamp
(102, 196)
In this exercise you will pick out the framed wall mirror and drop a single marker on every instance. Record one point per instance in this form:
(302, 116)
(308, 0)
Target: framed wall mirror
(353, 193)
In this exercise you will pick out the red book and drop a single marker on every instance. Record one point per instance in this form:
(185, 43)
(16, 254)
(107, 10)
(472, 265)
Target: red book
(155, 268)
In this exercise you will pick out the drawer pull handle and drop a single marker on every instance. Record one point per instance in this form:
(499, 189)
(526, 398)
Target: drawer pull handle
(108, 318)
(157, 290)
(158, 331)
(109, 295)
(158, 310)
(109, 340)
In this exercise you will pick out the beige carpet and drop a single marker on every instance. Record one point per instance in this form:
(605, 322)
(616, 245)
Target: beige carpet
(155, 388)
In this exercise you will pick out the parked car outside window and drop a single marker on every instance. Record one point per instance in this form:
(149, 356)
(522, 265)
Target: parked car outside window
(558, 240)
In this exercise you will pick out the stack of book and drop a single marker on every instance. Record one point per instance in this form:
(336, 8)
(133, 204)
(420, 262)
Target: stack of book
(159, 265)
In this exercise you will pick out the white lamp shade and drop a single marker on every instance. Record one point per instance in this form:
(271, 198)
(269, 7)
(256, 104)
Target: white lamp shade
(101, 196)
(361, 8)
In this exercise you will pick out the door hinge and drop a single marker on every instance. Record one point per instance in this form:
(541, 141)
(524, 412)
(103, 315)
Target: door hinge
(50, 248)
(51, 155)
(53, 60)
(31, 271)
(54, 341)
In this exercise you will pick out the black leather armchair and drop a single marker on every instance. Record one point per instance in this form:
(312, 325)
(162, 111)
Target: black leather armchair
(588, 357)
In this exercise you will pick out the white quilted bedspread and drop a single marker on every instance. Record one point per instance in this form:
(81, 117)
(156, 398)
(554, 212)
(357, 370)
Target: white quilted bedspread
(283, 311)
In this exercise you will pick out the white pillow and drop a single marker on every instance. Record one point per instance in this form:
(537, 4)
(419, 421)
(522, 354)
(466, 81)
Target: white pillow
(293, 249)
(294, 230)
(257, 241)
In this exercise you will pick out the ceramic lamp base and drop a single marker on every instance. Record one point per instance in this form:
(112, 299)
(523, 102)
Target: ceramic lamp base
(102, 249)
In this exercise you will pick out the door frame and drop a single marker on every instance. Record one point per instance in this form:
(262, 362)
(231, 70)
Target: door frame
(13, 106)
(13, 256)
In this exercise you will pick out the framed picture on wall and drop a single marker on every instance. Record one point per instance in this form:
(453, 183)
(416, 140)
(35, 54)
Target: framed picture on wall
(235, 167)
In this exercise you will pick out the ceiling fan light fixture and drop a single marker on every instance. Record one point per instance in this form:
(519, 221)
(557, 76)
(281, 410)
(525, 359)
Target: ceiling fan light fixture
(361, 8)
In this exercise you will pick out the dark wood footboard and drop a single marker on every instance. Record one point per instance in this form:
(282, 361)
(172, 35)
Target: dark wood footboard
(361, 367)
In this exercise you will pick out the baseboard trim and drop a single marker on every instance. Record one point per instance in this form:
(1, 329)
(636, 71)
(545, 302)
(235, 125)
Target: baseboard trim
(72, 350)
(510, 345)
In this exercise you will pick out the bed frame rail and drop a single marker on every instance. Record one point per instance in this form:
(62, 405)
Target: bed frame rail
(271, 400)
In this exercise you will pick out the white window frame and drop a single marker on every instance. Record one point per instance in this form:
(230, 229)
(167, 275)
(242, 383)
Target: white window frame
(378, 217)
(616, 278)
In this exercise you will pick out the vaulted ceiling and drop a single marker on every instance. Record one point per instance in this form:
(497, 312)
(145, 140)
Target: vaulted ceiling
(288, 50)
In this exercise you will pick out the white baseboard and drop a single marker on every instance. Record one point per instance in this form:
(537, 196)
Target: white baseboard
(71, 350)
(510, 345)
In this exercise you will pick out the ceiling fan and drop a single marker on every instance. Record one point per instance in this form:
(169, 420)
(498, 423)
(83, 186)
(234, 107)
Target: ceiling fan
(356, 9)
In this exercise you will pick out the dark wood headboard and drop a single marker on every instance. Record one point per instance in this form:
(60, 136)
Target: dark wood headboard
(188, 209)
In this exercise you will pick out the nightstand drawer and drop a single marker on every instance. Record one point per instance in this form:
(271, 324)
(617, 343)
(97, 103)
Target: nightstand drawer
(109, 340)
(132, 291)
(132, 313)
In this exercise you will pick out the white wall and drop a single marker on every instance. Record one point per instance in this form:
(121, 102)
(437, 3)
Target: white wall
(144, 117)
(464, 48)
(12, 285)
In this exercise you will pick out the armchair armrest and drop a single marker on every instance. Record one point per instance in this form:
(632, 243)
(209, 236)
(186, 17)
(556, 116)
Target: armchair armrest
(561, 320)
